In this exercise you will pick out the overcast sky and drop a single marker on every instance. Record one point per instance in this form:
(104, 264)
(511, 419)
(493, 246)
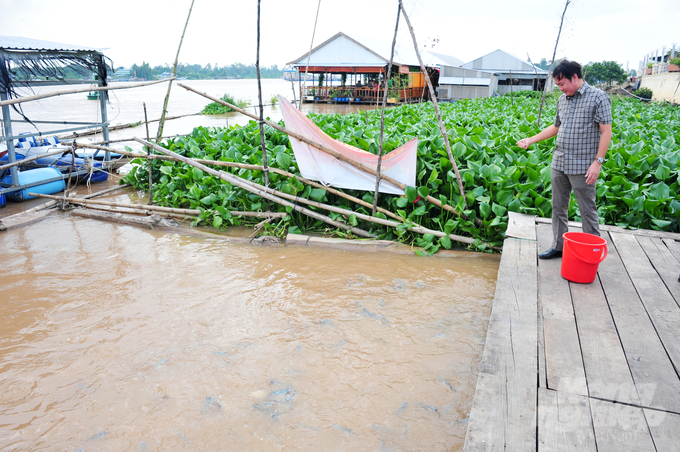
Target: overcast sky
(224, 31)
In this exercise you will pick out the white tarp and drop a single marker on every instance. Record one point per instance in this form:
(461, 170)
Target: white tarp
(400, 164)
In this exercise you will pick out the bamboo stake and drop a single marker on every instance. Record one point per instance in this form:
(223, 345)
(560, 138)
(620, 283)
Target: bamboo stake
(259, 95)
(36, 157)
(376, 193)
(253, 168)
(174, 74)
(148, 154)
(435, 104)
(545, 88)
(328, 151)
(190, 212)
(369, 218)
(258, 191)
(19, 100)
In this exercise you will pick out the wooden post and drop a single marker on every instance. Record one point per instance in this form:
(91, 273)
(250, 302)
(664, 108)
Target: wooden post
(435, 104)
(259, 95)
(174, 73)
(376, 193)
(148, 156)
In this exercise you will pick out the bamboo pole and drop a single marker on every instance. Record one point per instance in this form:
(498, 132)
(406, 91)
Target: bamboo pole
(36, 157)
(253, 168)
(259, 96)
(19, 100)
(376, 193)
(241, 184)
(435, 104)
(176, 211)
(174, 74)
(552, 63)
(329, 151)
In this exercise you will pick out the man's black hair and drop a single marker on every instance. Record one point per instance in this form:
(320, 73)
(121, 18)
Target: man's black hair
(567, 69)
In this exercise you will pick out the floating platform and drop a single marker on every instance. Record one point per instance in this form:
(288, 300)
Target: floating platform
(587, 367)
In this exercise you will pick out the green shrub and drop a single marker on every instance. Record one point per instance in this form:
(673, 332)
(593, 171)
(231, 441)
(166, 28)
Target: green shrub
(215, 108)
(645, 93)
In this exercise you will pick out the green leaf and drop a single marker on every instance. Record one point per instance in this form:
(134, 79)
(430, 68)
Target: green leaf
(423, 192)
(411, 193)
(485, 209)
(446, 242)
(166, 170)
(217, 221)
(402, 202)
(429, 238)
(198, 174)
(318, 194)
(283, 160)
(209, 200)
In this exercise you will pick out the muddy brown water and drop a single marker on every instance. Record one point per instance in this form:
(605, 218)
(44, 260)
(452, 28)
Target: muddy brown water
(118, 338)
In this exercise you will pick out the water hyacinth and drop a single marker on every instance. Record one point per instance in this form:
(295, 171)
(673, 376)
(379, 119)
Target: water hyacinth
(638, 186)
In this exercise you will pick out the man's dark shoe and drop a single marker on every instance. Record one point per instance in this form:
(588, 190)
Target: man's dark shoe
(551, 253)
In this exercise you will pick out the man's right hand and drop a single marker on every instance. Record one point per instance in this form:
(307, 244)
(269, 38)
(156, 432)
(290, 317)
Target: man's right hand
(524, 143)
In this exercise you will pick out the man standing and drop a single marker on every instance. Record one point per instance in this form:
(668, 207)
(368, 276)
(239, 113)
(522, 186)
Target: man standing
(583, 125)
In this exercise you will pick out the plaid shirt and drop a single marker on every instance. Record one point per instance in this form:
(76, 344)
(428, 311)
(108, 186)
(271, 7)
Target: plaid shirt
(578, 119)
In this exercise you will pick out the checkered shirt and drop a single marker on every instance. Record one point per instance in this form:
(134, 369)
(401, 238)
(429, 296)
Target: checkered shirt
(578, 119)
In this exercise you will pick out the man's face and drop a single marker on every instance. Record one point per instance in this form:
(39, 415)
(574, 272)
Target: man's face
(567, 86)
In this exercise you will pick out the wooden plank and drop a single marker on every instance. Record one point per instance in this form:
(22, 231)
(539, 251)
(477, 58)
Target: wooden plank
(620, 427)
(605, 363)
(665, 264)
(610, 228)
(659, 303)
(564, 364)
(19, 220)
(503, 414)
(674, 247)
(655, 379)
(665, 429)
(564, 422)
(521, 226)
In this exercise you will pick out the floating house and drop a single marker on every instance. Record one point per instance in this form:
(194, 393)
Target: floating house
(362, 65)
(497, 72)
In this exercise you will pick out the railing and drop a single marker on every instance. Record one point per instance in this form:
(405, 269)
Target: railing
(360, 94)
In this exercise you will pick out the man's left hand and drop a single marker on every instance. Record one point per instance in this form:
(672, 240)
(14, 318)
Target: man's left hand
(593, 172)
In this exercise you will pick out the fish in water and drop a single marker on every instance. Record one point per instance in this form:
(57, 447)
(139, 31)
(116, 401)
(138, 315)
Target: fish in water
(401, 408)
(443, 380)
(428, 407)
(98, 436)
(344, 429)
(211, 404)
(220, 353)
(142, 447)
(325, 322)
(342, 342)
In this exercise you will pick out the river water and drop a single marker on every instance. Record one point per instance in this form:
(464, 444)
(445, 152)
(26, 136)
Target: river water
(117, 338)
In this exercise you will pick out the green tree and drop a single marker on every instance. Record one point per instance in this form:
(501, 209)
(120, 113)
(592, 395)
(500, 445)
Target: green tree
(144, 71)
(605, 72)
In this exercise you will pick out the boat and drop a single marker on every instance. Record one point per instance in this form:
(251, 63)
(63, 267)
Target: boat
(93, 95)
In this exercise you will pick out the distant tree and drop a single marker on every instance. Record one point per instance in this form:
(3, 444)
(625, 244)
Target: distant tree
(605, 72)
(144, 71)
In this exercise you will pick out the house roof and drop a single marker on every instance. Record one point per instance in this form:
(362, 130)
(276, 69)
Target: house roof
(20, 43)
(358, 51)
(501, 61)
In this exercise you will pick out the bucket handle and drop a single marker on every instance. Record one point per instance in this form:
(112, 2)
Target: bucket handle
(602, 257)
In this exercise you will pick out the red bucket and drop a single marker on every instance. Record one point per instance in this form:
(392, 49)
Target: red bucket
(581, 256)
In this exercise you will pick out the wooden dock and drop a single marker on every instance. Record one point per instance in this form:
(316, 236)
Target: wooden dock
(581, 367)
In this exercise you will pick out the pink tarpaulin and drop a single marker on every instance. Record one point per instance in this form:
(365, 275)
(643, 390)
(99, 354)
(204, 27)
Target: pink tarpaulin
(400, 164)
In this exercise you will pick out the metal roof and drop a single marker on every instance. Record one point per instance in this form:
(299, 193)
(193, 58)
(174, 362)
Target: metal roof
(358, 51)
(468, 81)
(501, 61)
(19, 43)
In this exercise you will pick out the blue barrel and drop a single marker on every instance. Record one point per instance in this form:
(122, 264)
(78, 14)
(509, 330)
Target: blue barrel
(36, 175)
(3, 201)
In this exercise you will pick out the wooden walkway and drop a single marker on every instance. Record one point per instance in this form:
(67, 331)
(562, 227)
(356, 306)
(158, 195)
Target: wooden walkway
(581, 367)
